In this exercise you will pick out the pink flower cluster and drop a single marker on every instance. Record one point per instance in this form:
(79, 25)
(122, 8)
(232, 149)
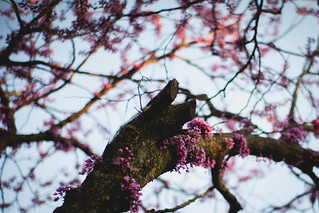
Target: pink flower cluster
(164, 144)
(61, 191)
(197, 157)
(133, 193)
(240, 143)
(246, 125)
(230, 143)
(123, 160)
(130, 187)
(89, 164)
(293, 134)
(186, 149)
(65, 146)
(200, 127)
(181, 152)
(209, 163)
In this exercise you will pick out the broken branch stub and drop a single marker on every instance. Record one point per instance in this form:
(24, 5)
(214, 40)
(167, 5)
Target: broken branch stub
(101, 190)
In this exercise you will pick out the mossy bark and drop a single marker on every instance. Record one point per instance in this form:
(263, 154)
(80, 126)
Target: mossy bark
(101, 190)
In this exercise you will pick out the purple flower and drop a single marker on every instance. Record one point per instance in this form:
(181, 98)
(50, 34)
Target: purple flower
(164, 144)
(130, 187)
(209, 163)
(90, 163)
(241, 145)
(198, 158)
(61, 191)
(293, 134)
(181, 152)
(230, 143)
(186, 148)
(133, 191)
(124, 158)
(245, 124)
(200, 127)
(65, 146)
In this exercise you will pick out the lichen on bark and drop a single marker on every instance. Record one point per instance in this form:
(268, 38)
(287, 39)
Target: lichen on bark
(142, 135)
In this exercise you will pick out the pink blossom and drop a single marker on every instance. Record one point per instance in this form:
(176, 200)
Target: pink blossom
(65, 146)
(18, 188)
(49, 123)
(241, 145)
(97, 94)
(124, 158)
(157, 22)
(133, 193)
(130, 187)
(243, 179)
(198, 157)
(200, 127)
(231, 124)
(164, 144)
(314, 156)
(284, 124)
(284, 81)
(106, 85)
(181, 33)
(37, 201)
(246, 125)
(220, 131)
(209, 163)
(293, 134)
(186, 149)
(230, 143)
(181, 152)
(90, 163)
(61, 191)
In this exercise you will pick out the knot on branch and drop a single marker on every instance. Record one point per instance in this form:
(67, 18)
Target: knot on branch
(158, 121)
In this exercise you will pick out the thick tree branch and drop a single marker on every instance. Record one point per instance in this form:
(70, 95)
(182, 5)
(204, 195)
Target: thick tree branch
(142, 135)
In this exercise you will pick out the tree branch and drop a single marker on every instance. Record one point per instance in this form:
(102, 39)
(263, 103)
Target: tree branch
(234, 205)
(183, 204)
(12, 140)
(143, 135)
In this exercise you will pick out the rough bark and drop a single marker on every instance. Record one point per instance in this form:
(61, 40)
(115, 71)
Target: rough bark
(100, 192)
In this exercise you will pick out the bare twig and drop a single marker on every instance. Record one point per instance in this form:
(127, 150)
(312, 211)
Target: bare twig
(183, 204)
